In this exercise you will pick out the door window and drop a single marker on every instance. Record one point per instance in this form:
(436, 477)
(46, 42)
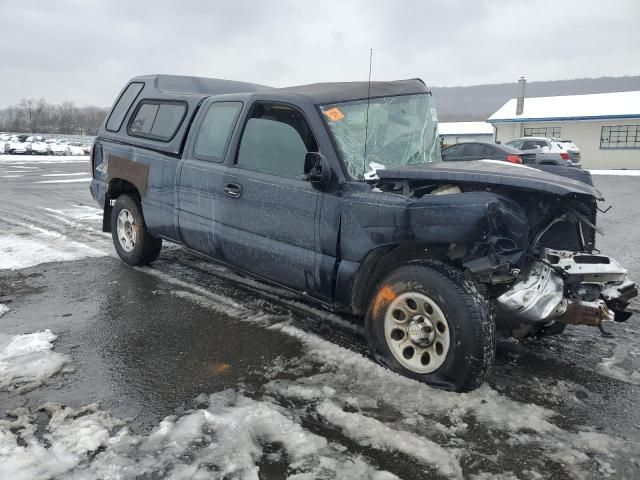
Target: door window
(276, 139)
(215, 131)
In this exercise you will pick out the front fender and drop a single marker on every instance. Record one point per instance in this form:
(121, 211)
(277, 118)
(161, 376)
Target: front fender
(375, 219)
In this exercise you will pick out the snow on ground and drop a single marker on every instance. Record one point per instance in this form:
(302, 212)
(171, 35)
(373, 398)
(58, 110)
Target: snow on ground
(3, 309)
(67, 180)
(614, 366)
(27, 360)
(230, 434)
(28, 245)
(224, 438)
(28, 159)
(624, 173)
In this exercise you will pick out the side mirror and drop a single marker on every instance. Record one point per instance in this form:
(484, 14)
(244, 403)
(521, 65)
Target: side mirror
(316, 168)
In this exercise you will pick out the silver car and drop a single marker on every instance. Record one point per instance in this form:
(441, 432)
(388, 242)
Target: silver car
(548, 151)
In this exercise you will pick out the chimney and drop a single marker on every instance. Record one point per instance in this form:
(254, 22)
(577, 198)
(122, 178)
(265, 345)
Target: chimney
(522, 83)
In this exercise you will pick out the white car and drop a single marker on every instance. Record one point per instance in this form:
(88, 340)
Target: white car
(76, 150)
(39, 148)
(56, 148)
(14, 146)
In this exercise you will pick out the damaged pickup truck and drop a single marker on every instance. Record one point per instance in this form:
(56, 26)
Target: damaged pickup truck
(337, 192)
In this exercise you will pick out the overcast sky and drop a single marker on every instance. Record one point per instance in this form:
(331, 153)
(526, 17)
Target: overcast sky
(85, 50)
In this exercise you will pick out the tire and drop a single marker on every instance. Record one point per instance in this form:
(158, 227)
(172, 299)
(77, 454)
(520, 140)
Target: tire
(131, 238)
(449, 312)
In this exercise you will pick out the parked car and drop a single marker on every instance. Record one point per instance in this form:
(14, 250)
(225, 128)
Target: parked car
(76, 149)
(547, 150)
(279, 184)
(38, 147)
(14, 146)
(483, 150)
(57, 147)
(573, 151)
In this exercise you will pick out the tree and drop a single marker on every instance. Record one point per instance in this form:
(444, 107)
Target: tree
(66, 117)
(32, 110)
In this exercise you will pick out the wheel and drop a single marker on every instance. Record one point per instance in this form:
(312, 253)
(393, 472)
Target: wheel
(132, 240)
(427, 322)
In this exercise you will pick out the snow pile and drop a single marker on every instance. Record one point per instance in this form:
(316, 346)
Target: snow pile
(70, 436)
(345, 389)
(27, 360)
(227, 439)
(370, 432)
(3, 309)
(21, 251)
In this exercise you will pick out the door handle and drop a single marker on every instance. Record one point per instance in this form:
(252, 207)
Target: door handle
(232, 190)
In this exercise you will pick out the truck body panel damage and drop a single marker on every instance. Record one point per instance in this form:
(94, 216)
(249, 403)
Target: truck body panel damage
(526, 236)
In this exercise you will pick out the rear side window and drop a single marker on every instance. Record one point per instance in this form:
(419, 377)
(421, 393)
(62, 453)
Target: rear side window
(215, 131)
(157, 119)
(122, 106)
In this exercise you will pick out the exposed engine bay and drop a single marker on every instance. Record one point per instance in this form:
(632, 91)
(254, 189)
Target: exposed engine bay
(535, 253)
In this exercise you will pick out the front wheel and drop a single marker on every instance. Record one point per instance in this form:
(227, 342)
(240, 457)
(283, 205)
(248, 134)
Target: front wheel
(429, 323)
(130, 235)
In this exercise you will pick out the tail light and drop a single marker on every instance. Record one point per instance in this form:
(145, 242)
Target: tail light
(514, 159)
(565, 156)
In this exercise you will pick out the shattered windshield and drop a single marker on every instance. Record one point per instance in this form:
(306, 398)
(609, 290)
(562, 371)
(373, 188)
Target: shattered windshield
(401, 130)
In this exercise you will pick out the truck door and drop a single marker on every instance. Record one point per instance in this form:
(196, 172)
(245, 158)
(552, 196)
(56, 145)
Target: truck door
(270, 214)
(200, 183)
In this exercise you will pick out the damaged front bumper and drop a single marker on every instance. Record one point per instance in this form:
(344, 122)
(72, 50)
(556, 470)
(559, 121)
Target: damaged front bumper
(569, 287)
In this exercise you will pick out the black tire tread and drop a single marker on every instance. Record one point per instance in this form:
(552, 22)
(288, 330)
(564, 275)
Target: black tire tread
(147, 248)
(478, 308)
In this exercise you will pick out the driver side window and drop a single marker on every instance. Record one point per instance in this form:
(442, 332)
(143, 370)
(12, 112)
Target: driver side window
(275, 140)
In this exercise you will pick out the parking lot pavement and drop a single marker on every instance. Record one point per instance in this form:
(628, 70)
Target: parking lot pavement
(178, 369)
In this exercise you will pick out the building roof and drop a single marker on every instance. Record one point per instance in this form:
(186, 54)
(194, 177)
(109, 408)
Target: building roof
(465, 128)
(572, 107)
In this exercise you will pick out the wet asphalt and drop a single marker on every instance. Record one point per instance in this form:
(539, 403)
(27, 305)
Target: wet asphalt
(145, 342)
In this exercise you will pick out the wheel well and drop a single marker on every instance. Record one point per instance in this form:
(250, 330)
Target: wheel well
(379, 262)
(117, 187)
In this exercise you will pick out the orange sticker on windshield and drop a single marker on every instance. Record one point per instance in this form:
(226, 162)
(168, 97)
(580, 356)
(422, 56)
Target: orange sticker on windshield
(334, 114)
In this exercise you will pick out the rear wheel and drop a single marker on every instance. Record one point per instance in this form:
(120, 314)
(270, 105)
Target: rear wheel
(130, 235)
(427, 322)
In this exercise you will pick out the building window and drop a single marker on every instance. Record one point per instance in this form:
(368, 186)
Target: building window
(620, 136)
(549, 132)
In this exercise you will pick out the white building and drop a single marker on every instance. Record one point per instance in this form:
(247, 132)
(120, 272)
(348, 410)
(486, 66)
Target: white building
(605, 126)
(458, 132)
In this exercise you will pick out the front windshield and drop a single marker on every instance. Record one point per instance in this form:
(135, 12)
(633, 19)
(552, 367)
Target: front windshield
(401, 130)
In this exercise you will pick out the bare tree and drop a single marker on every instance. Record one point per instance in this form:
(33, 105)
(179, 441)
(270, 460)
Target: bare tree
(91, 118)
(66, 117)
(32, 110)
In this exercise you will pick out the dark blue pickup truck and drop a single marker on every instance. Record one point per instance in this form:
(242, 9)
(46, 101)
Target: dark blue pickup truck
(337, 191)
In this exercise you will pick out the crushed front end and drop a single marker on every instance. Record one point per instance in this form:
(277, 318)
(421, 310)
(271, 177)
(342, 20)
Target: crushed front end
(534, 252)
(569, 288)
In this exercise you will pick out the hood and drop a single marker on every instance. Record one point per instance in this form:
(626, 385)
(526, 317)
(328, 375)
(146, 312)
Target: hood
(492, 172)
